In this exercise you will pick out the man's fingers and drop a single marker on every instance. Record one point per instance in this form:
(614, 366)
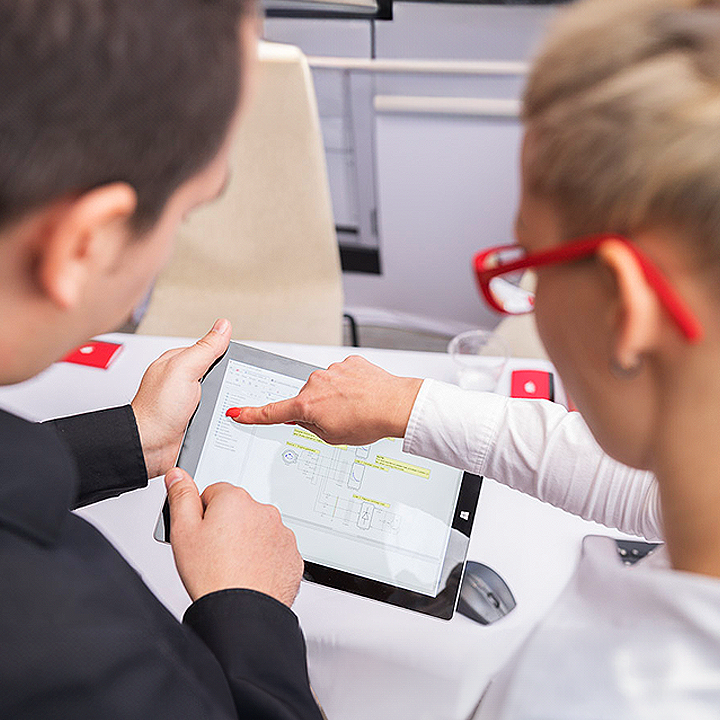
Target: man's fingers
(272, 414)
(200, 356)
(211, 492)
(186, 508)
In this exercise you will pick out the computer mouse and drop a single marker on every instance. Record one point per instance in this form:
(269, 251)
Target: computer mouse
(484, 595)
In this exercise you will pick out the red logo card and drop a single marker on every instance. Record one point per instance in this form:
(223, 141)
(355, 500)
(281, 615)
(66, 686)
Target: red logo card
(536, 384)
(96, 353)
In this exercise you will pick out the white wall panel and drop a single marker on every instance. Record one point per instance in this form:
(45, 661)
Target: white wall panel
(462, 31)
(448, 188)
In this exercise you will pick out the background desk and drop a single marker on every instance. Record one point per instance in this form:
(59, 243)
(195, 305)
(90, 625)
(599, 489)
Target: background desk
(367, 659)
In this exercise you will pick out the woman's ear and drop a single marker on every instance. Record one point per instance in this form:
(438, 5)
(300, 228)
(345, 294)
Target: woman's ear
(639, 310)
(82, 239)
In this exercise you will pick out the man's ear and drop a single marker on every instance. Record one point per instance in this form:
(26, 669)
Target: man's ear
(640, 312)
(83, 239)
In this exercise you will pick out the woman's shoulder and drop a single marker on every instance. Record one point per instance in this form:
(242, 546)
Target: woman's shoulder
(621, 642)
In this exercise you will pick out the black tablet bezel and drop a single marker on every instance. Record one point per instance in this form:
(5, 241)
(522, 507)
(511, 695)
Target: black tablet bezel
(443, 604)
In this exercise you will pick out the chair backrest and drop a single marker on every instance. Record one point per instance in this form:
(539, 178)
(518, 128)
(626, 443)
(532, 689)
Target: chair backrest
(521, 336)
(265, 254)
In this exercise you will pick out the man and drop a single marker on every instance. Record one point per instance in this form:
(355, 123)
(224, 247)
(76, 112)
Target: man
(115, 121)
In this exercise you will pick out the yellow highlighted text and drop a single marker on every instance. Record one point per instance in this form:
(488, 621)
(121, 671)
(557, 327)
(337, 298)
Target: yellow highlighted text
(402, 466)
(301, 447)
(307, 435)
(374, 502)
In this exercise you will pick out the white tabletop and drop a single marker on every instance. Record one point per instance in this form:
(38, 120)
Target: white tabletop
(366, 659)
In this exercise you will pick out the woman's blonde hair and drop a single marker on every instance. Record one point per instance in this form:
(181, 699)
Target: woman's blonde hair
(623, 112)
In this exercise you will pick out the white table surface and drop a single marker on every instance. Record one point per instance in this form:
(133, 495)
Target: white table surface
(366, 659)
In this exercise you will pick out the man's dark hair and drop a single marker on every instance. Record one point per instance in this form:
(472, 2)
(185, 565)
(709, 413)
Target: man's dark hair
(97, 91)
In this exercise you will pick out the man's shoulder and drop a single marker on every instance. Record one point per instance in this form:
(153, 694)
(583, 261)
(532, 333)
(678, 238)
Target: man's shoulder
(78, 624)
(38, 479)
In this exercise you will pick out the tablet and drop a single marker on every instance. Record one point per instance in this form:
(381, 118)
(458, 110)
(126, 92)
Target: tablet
(370, 520)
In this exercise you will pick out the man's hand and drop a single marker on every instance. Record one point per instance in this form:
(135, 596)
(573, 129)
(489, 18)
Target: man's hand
(170, 392)
(353, 402)
(224, 539)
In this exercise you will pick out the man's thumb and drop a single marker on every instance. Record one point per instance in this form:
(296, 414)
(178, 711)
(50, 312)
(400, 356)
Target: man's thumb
(186, 508)
(199, 357)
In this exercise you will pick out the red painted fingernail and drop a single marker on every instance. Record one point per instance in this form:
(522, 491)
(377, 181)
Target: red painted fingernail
(233, 412)
(290, 423)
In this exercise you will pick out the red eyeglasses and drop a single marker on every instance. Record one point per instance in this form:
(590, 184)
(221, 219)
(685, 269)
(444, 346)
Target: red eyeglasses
(499, 271)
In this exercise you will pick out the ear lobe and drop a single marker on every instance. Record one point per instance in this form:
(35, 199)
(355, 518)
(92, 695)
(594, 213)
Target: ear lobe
(82, 240)
(638, 322)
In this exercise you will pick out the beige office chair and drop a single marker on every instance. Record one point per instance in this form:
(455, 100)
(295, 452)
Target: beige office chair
(521, 336)
(265, 255)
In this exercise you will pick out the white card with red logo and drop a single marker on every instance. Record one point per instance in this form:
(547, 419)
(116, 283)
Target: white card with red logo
(536, 384)
(96, 353)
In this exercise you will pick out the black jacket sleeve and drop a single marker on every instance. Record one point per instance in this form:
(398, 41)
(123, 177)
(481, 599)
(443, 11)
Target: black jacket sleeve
(255, 639)
(258, 643)
(106, 447)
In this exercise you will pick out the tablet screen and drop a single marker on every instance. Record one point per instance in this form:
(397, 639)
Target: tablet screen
(372, 511)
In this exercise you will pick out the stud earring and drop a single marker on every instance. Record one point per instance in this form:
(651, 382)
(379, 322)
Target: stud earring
(624, 371)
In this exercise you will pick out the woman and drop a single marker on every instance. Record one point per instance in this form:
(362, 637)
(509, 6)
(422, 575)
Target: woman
(620, 217)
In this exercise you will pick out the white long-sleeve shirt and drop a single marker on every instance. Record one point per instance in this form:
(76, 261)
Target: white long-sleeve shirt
(621, 642)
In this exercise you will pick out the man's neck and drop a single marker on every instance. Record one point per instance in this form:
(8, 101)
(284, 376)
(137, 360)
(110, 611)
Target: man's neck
(32, 336)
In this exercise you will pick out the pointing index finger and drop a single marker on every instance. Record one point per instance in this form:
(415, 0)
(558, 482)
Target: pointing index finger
(275, 413)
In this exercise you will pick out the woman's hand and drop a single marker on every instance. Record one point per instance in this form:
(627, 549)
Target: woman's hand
(170, 392)
(351, 403)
